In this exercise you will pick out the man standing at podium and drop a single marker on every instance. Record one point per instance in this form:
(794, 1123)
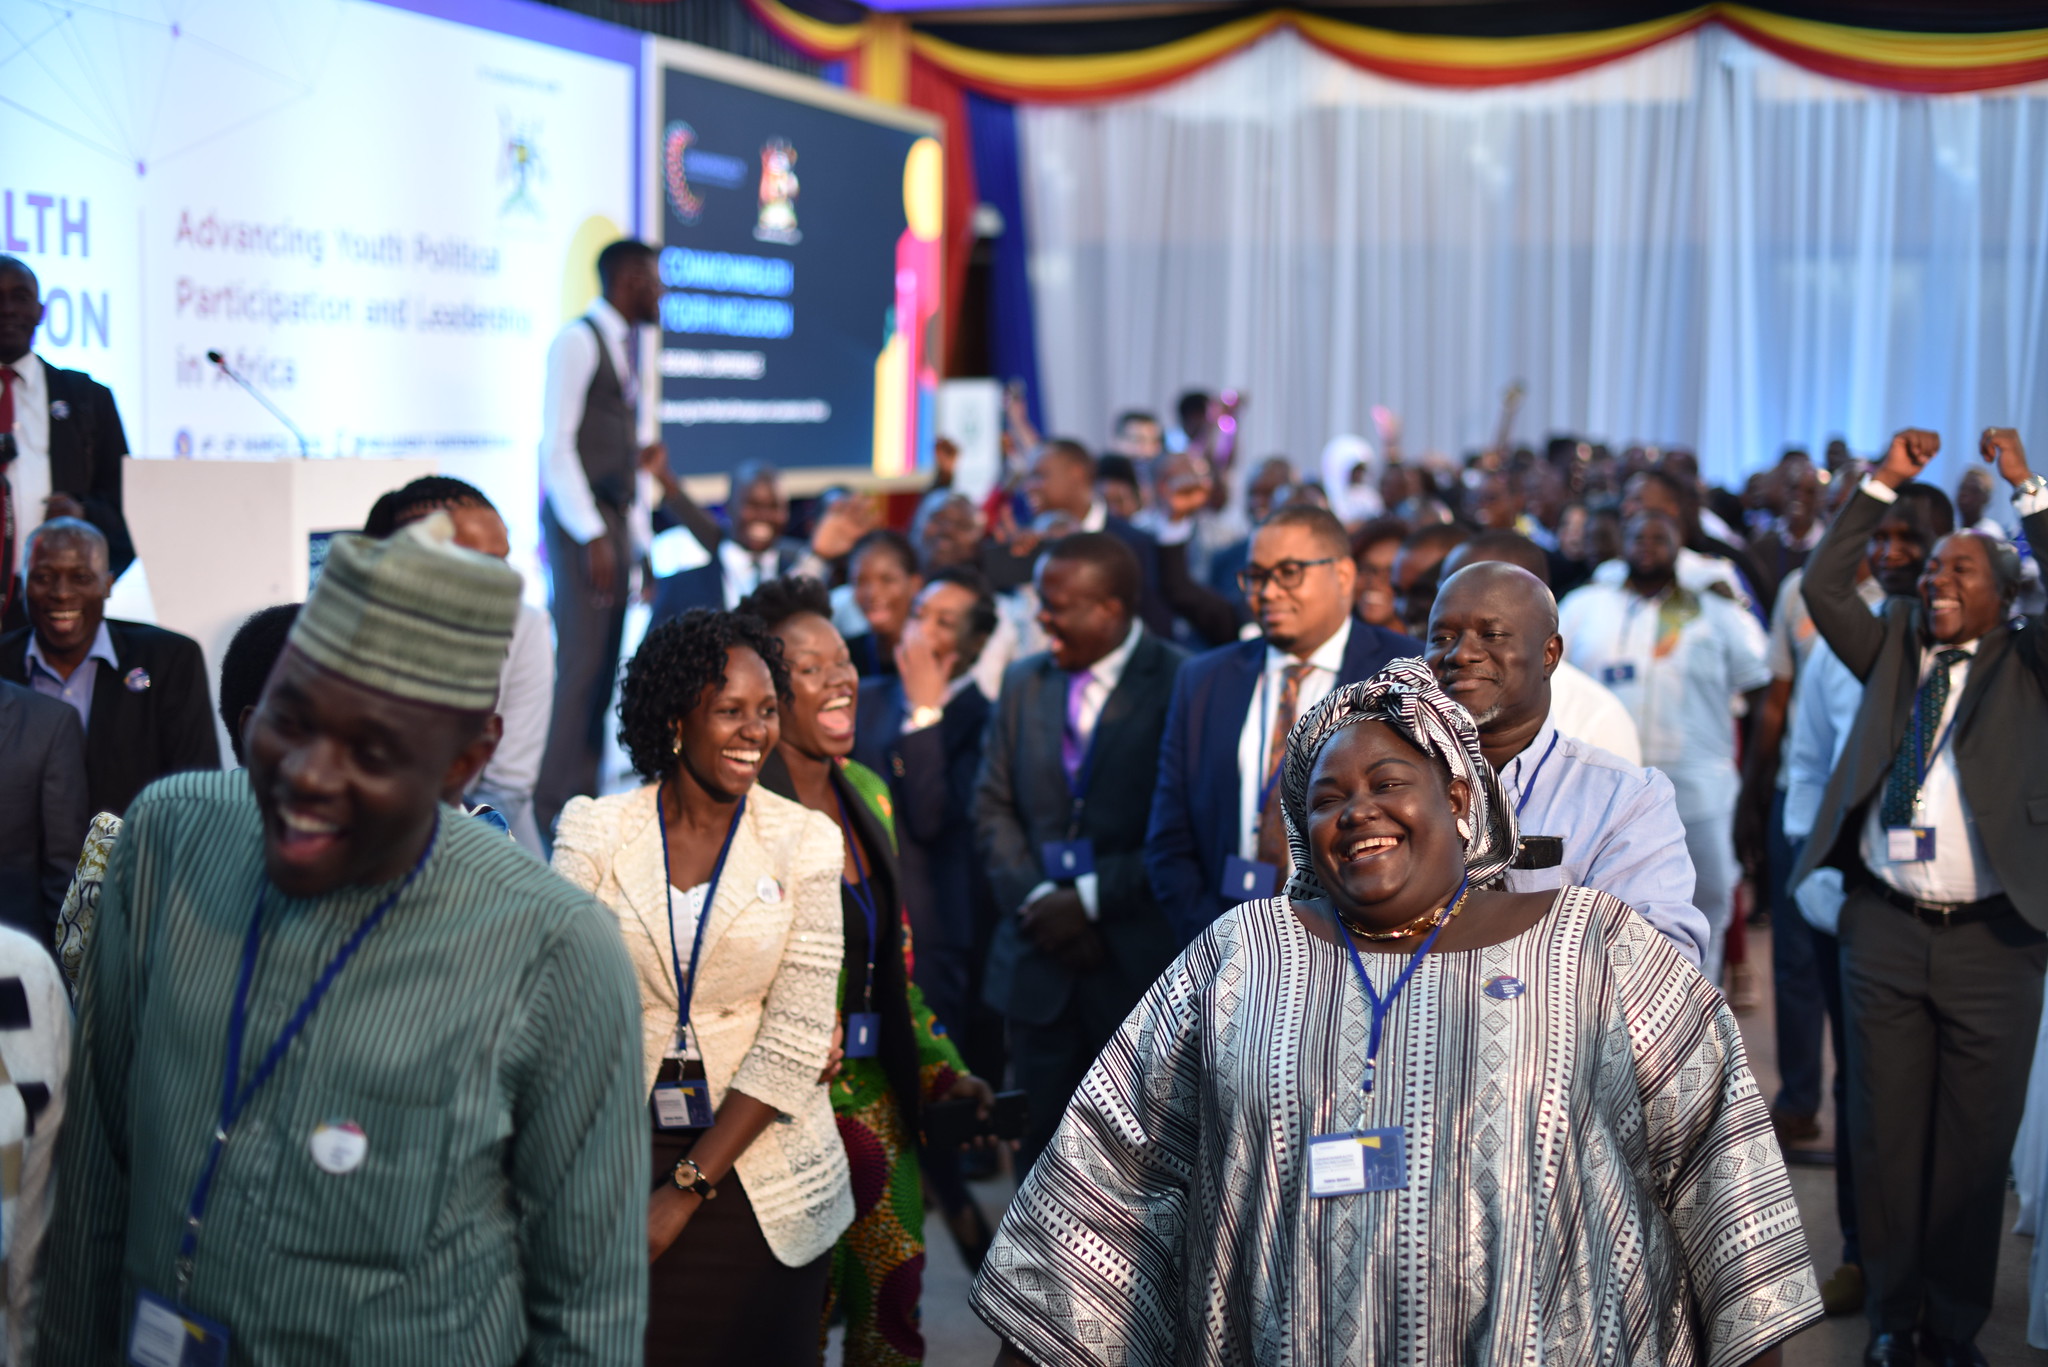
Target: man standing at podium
(61, 441)
(593, 436)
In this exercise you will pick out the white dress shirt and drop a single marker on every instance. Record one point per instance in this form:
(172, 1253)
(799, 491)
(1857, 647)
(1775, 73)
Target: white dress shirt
(526, 704)
(29, 475)
(1586, 709)
(1681, 693)
(1103, 676)
(1254, 737)
(1959, 872)
(572, 364)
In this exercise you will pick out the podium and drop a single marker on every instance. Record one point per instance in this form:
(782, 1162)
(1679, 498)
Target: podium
(222, 538)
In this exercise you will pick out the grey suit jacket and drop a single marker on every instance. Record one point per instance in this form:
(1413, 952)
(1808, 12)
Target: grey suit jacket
(2001, 723)
(43, 809)
(1022, 801)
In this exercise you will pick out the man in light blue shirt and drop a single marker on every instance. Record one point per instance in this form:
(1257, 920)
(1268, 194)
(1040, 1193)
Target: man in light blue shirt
(67, 680)
(1586, 816)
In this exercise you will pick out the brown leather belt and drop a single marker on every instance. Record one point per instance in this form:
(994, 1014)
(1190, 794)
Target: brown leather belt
(1942, 913)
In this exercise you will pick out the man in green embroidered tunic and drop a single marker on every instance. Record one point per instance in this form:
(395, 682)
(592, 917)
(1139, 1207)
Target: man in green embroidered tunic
(434, 1150)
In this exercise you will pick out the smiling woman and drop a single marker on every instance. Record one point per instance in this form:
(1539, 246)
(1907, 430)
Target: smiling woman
(897, 1058)
(1298, 1150)
(726, 896)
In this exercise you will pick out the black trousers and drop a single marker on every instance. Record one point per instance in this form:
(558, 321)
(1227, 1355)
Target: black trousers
(719, 1296)
(1049, 1061)
(1941, 1026)
(586, 666)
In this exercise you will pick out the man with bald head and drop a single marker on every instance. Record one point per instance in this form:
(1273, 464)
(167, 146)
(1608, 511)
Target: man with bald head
(139, 691)
(1587, 817)
(1579, 704)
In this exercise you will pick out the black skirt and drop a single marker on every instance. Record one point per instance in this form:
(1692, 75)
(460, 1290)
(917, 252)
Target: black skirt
(719, 1295)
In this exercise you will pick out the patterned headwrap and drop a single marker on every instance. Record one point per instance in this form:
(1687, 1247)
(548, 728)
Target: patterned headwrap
(1406, 696)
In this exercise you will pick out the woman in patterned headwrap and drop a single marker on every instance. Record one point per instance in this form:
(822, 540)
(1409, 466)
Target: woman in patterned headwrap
(1402, 1116)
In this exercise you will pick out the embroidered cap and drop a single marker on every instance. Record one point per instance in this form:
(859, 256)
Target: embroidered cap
(414, 616)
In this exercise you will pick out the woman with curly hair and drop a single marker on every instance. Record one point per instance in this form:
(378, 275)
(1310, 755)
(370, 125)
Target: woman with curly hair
(728, 900)
(897, 1057)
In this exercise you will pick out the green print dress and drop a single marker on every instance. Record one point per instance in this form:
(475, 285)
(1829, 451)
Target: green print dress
(878, 1265)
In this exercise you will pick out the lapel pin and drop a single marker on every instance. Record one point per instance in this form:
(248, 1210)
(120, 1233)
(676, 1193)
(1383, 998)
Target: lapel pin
(137, 680)
(769, 891)
(59, 410)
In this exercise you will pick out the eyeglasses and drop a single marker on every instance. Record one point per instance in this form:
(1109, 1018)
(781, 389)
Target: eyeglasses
(1287, 574)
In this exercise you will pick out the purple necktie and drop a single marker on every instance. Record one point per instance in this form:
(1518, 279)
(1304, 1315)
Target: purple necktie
(1073, 746)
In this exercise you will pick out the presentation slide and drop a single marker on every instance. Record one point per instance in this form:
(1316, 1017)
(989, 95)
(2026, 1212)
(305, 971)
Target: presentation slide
(800, 256)
(377, 213)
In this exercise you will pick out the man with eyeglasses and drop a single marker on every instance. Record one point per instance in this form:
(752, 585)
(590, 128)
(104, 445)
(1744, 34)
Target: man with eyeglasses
(1216, 837)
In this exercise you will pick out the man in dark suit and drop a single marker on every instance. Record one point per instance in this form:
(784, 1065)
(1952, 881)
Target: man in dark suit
(63, 430)
(922, 729)
(1060, 807)
(1935, 814)
(1216, 837)
(1062, 481)
(140, 691)
(43, 812)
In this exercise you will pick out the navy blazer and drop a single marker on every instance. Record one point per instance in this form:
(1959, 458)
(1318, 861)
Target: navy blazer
(1195, 807)
(931, 775)
(1022, 801)
(43, 811)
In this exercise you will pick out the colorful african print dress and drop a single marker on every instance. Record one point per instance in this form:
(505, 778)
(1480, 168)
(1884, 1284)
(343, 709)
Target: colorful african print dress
(1589, 1173)
(878, 1265)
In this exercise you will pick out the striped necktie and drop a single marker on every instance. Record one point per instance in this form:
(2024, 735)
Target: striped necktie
(1902, 786)
(1272, 847)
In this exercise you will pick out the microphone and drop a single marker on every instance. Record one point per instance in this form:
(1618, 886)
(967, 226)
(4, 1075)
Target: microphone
(305, 447)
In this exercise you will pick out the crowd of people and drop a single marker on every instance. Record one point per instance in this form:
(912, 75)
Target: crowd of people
(1325, 888)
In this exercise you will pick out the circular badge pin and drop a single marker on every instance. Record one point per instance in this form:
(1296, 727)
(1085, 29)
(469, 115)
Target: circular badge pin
(1504, 988)
(769, 891)
(137, 679)
(339, 1146)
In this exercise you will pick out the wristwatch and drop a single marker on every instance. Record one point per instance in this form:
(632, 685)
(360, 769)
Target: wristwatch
(2028, 487)
(696, 1182)
(927, 715)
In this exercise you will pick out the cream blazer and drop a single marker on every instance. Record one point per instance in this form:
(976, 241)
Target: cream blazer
(766, 999)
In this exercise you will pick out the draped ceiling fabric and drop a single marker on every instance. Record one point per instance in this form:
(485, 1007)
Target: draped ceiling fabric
(1719, 226)
(1700, 243)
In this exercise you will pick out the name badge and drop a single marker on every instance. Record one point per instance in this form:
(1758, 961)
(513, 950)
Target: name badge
(1248, 880)
(1068, 859)
(1618, 674)
(863, 1034)
(682, 1096)
(1357, 1161)
(1909, 844)
(164, 1336)
(1539, 852)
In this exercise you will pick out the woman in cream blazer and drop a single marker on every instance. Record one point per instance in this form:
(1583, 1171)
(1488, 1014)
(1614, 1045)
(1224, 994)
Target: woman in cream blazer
(739, 1267)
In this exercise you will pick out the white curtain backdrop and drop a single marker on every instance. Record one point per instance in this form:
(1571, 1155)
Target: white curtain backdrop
(1700, 245)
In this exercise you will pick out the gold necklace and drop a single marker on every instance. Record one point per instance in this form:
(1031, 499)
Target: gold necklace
(1426, 922)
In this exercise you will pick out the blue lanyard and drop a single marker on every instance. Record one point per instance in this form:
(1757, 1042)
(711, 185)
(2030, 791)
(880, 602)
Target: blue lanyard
(1378, 1005)
(234, 1101)
(1534, 774)
(863, 896)
(687, 987)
